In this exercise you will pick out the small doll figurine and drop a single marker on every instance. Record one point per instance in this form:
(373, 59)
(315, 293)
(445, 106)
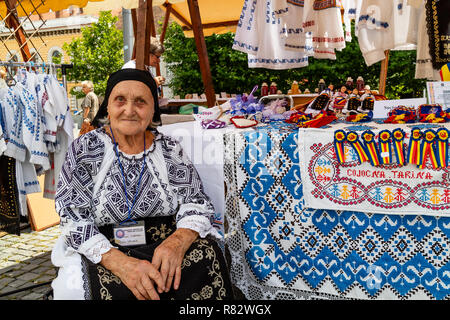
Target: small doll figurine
(294, 88)
(353, 103)
(273, 88)
(264, 89)
(321, 85)
(360, 84)
(306, 91)
(349, 84)
(367, 100)
(339, 101)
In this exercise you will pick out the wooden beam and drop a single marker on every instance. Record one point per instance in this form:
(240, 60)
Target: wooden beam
(134, 19)
(13, 22)
(153, 33)
(194, 12)
(215, 25)
(383, 73)
(166, 22)
(143, 34)
(180, 17)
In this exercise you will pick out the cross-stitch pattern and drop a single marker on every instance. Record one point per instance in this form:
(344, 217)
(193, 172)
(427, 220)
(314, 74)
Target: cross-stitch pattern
(282, 250)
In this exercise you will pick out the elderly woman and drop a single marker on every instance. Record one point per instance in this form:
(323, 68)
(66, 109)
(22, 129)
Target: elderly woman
(135, 221)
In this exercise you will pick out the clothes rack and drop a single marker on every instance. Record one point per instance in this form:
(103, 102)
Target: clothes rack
(62, 66)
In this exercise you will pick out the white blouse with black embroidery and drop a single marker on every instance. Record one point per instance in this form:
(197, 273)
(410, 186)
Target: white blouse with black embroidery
(90, 191)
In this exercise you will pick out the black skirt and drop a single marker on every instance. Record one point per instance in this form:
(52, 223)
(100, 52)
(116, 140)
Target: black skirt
(204, 273)
(9, 197)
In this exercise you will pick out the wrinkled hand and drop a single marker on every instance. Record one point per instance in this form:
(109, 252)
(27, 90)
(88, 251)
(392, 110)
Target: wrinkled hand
(140, 276)
(169, 255)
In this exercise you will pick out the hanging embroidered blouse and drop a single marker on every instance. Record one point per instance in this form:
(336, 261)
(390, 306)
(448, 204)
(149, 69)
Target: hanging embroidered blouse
(424, 65)
(323, 19)
(90, 192)
(350, 8)
(290, 13)
(258, 35)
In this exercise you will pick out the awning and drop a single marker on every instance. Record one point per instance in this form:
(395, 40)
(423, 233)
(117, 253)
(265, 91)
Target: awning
(27, 7)
(217, 16)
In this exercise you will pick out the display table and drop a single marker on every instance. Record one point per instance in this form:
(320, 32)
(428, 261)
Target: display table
(282, 250)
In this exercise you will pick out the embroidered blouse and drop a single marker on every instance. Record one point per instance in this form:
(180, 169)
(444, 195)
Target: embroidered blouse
(90, 191)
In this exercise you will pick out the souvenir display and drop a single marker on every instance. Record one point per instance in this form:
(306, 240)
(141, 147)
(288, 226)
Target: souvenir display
(245, 105)
(241, 122)
(321, 85)
(273, 88)
(367, 100)
(319, 103)
(402, 114)
(360, 84)
(294, 88)
(349, 84)
(340, 100)
(308, 120)
(264, 89)
(433, 113)
(213, 124)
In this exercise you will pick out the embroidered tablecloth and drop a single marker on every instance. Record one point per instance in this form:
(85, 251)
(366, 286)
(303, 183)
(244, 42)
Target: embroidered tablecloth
(282, 250)
(351, 185)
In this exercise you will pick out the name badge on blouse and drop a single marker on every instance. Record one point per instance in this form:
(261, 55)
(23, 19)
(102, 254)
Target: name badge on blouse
(130, 234)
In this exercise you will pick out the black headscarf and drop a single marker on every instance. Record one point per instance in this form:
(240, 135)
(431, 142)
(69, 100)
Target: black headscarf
(123, 75)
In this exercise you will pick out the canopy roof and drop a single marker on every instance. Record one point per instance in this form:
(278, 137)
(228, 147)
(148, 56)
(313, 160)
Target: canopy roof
(27, 7)
(217, 16)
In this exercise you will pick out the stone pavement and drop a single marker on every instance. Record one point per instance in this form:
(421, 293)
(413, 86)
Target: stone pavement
(25, 261)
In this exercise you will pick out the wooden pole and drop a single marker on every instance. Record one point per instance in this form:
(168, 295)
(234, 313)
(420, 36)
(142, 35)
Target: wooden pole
(143, 34)
(134, 19)
(194, 12)
(166, 22)
(383, 73)
(153, 28)
(13, 22)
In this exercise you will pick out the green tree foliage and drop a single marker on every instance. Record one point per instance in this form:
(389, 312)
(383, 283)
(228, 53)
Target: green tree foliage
(97, 53)
(231, 74)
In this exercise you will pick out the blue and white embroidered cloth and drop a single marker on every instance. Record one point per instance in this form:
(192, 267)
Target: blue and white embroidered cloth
(282, 250)
(391, 188)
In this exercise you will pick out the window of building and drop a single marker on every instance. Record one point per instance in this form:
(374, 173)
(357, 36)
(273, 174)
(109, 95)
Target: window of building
(55, 55)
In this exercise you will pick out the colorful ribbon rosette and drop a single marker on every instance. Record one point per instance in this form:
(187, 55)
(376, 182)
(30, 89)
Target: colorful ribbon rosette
(339, 148)
(442, 147)
(427, 149)
(432, 113)
(415, 142)
(307, 120)
(384, 141)
(371, 147)
(401, 114)
(398, 137)
(352, 138)
(360, 117)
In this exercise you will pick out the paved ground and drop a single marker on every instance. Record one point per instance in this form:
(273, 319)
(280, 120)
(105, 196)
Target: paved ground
(25, 261)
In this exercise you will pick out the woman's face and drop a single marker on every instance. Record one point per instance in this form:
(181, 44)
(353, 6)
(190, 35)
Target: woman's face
(130, 107)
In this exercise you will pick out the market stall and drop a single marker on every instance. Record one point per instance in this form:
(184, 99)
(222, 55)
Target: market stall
(328, 201)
